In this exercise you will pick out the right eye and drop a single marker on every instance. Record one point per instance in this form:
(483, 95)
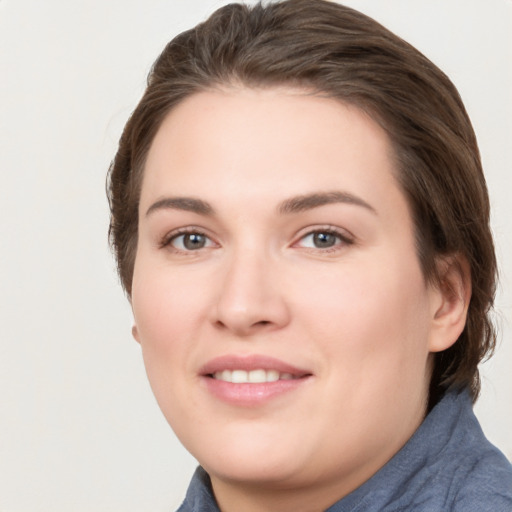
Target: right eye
(189, 241)
(321, 240)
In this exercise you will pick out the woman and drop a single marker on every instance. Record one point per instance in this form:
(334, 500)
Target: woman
(301, 223)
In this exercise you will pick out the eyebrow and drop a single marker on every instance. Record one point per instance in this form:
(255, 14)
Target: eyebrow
(310, 201)
(189, 204)
(293, 205)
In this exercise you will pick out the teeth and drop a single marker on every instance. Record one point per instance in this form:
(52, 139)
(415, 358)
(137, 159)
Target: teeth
(239, 376)
(254, 376)
(272, 375)
(257, 376)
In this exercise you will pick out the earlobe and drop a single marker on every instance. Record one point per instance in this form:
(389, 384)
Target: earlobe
(452, 296)
(135, 333)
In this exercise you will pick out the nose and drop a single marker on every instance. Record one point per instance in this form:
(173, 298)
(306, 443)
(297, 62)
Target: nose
(250, 299)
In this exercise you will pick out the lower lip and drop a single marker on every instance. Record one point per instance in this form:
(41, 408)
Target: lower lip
(251, 394)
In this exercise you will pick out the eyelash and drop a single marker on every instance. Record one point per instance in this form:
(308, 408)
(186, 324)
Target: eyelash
(343, 239)
(169, 238)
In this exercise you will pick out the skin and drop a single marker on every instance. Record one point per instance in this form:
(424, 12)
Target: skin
(356, 313)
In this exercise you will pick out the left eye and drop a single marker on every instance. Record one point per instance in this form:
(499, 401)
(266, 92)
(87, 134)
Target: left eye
(322, 240)
(190, 241)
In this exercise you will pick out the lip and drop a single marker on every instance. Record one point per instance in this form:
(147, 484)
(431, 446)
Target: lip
(250, 362)
(251, 394)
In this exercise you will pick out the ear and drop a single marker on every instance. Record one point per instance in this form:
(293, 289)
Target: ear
(135, 333)
(450, 303)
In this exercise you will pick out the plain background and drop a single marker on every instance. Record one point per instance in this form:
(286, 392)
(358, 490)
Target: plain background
(79, 428)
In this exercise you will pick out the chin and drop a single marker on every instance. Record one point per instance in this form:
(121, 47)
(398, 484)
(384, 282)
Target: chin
(259, 471)
(250, 459)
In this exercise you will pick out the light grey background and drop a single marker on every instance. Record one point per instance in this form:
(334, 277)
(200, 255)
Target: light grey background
(79, 428)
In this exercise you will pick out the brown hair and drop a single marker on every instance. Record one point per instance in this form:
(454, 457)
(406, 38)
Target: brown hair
(336, 51)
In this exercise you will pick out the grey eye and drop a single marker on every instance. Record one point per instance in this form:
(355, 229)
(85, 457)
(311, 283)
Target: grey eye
(323, 240)
(190, 241)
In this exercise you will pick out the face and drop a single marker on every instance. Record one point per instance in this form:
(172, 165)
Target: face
(283, 316)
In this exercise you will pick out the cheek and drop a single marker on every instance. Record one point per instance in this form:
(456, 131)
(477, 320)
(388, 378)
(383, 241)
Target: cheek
(164, 318)
(371, 320)
(164, 331)
(166, 304)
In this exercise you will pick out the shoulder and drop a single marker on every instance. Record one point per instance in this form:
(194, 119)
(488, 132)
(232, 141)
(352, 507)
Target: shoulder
(458, 468)
(471, 472)
(487, 483)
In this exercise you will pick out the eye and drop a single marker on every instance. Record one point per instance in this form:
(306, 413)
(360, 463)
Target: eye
(188, 241)
(324, 239)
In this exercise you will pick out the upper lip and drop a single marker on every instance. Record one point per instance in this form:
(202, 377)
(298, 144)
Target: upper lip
(250, 362)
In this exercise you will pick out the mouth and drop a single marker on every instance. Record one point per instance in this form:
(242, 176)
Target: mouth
(257, 376)
(251, 380)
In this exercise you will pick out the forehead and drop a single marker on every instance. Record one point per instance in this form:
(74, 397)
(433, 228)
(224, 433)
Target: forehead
(243, 142)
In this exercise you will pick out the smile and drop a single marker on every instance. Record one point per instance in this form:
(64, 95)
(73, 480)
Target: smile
(257, 376)
(251, 380)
